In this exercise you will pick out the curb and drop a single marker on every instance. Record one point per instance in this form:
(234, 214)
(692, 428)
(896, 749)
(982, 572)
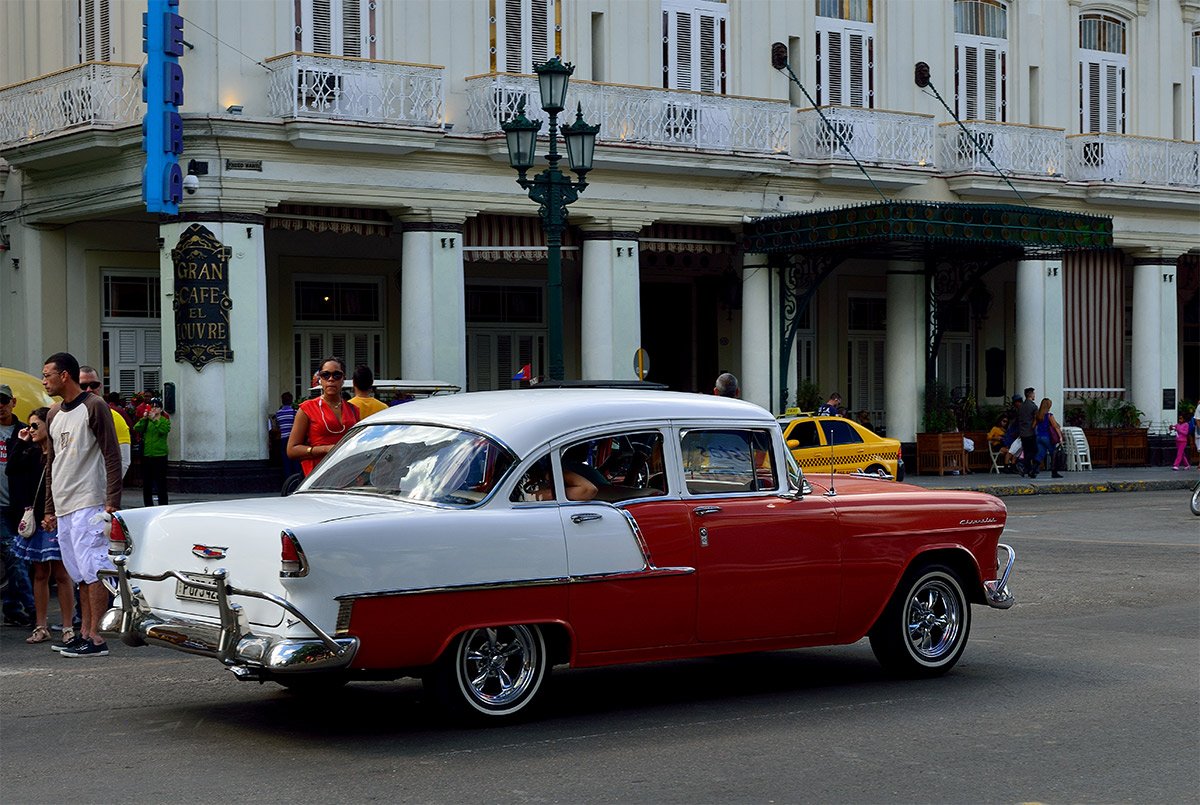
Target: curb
(1013, 490)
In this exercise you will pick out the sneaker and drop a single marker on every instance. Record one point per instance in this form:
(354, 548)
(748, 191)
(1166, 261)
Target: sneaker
(74, 641)
(87, 649)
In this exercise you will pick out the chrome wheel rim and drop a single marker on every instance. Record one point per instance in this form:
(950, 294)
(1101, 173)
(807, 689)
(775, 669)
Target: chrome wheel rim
(933, 620)
(498, 666)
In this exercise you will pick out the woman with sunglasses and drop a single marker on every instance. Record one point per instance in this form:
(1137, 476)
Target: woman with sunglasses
(27, 486)
(321, 423)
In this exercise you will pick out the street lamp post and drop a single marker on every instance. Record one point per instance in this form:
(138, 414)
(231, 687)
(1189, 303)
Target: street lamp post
(552, 189)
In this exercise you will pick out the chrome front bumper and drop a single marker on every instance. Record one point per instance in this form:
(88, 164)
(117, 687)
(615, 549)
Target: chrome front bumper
(995, 591)
(248, 655)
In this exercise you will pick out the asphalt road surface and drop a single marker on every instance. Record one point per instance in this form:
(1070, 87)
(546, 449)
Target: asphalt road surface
(1088, 690)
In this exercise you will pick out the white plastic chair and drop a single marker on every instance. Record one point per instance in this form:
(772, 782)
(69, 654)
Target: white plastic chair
(1079, 453)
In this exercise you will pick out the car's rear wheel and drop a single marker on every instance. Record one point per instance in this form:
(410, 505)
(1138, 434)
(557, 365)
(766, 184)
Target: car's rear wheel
(923, 630)
(493, 673)
(877, 469)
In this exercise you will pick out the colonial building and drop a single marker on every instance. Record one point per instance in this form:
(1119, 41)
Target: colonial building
(349, 163)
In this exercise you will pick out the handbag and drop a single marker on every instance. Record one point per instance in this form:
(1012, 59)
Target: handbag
(28, 525)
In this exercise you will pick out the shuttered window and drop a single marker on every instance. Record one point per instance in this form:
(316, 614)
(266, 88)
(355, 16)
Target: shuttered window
(524, 33)
(337, 27)
(1196, 85)
(1103, 68)
(694, 36)
(95, 31)
(845, 63)
(981, 60)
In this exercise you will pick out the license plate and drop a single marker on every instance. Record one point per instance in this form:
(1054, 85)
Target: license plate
(193, 593)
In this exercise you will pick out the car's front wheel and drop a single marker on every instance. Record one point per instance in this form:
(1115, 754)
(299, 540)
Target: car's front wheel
(493, 673)
(923, 630)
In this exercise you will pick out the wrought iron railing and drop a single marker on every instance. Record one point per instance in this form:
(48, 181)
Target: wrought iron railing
(307, 85)
(98, 94)
(1016, 149)
(873, 135)
(1126, 159)
(641, 115)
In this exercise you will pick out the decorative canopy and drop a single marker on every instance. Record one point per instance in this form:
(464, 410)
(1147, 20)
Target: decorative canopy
(924, 229)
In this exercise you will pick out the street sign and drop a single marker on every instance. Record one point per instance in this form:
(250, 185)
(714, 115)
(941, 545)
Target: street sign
(641, 363)
(162, 90)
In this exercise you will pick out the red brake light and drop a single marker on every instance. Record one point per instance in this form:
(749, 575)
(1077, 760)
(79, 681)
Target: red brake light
(292, 563)
(118, 542)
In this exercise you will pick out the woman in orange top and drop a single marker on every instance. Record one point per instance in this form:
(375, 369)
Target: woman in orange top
(321, 423)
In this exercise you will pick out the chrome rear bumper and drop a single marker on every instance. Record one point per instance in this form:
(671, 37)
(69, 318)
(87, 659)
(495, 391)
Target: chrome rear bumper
(248, 655)
(996, 590)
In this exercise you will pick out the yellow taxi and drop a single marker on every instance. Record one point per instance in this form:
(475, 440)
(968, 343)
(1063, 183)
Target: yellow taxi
(27, 390)
(817, 442)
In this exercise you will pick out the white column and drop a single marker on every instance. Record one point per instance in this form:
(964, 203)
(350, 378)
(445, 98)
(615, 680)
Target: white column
(220, 409)
(611, 316)
(757, 315)
(1155, 339)
(433, 303)
(1053, 336)
(1031, 327)
(904, 369)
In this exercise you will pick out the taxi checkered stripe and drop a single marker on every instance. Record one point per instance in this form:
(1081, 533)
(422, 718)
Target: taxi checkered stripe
(850, 462)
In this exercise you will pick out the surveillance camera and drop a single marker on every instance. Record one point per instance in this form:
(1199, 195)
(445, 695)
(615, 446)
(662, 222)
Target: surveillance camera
(191, 183)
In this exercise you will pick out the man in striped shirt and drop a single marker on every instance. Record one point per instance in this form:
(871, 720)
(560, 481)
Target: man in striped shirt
(284, 417)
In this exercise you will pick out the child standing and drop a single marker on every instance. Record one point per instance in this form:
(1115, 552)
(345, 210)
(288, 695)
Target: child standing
(1181, 435)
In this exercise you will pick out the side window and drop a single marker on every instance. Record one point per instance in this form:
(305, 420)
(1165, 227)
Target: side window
(806, 434)
(615, 467)
(841, 432)
(536, 485)
(727, 461)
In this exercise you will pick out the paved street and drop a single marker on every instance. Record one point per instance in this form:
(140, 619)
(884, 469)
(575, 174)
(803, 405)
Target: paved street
(1086, 691)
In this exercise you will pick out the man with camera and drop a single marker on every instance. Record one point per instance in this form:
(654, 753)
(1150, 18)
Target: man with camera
(154, 426)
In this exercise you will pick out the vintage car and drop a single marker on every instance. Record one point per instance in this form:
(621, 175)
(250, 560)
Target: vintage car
(825, 444)
(477, 540)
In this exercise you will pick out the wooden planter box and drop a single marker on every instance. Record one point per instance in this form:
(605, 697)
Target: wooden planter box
(1100, 443)
(1130, 447)
(940, 453)
(979, 460)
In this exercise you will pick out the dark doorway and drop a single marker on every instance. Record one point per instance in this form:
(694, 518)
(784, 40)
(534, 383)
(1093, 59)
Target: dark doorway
(668, 333)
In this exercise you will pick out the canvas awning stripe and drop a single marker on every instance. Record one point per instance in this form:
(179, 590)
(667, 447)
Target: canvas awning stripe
(509, 238)
(687, 238)
(1094, 323)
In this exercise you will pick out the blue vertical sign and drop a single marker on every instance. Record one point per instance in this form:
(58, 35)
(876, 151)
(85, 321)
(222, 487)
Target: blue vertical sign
(162, 91)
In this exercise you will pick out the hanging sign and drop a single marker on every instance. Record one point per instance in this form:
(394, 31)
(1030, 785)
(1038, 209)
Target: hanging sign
(202, 302)
(162, 91)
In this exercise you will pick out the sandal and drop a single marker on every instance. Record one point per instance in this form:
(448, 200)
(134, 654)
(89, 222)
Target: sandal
(40, 635)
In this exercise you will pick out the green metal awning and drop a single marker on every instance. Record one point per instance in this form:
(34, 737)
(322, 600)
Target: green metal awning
(922, 230)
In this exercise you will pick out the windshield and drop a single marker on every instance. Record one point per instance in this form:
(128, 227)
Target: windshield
(415, 462)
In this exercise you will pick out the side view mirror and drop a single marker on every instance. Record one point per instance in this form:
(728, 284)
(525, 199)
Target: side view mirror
(793, 444)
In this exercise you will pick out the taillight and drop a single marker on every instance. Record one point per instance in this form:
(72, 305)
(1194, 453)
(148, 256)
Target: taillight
(118, 540)
(292, 563)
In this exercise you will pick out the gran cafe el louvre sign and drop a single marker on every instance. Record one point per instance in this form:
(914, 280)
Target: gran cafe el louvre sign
(202, 302)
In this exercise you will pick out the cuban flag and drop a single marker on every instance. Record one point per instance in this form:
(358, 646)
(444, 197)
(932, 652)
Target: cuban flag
(526, 373)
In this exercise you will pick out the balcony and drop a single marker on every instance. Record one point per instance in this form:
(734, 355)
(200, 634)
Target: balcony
(317, 87)
(630, 115)
(1125, 159)
(103, 95)
(1033, 151)
(873, 135)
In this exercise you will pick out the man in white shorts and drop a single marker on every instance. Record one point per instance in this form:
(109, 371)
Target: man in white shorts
(83, 481)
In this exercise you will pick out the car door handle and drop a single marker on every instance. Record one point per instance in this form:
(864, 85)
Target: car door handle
(583, 518)
(700, 511)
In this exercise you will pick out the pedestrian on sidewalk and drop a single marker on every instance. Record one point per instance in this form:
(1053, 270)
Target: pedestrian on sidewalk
(17, 594)
(83, 483)
(1181, 431)
(1049, 436)
(155, 426)
(1026, 424)
(26, 473)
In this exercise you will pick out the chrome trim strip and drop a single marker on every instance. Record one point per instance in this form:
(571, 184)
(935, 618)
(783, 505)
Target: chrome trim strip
(647, 560)
(646, 573)
(303, 571)
(996, 590)
(124, 530)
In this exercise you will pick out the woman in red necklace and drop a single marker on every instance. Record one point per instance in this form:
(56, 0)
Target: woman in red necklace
(321, 423)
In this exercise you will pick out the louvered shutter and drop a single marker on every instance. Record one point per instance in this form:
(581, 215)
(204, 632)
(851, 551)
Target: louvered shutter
(694, 39)
(525, 34)
(1102, 96)
(336, 27)
(1196, 103)
(95, 30)
(979, 79)
(845, 64)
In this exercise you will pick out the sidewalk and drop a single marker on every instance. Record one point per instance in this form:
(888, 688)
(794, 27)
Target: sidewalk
(1134, 479)
(1124, 479)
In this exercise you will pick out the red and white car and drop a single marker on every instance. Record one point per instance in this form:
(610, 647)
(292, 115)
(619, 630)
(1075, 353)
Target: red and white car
(440, 540)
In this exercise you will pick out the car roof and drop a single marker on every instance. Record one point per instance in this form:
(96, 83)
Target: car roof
(524, 419)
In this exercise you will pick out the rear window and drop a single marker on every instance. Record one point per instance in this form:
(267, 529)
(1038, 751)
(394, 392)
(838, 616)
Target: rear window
(838, 432)
(414, 462)
(727, 461)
